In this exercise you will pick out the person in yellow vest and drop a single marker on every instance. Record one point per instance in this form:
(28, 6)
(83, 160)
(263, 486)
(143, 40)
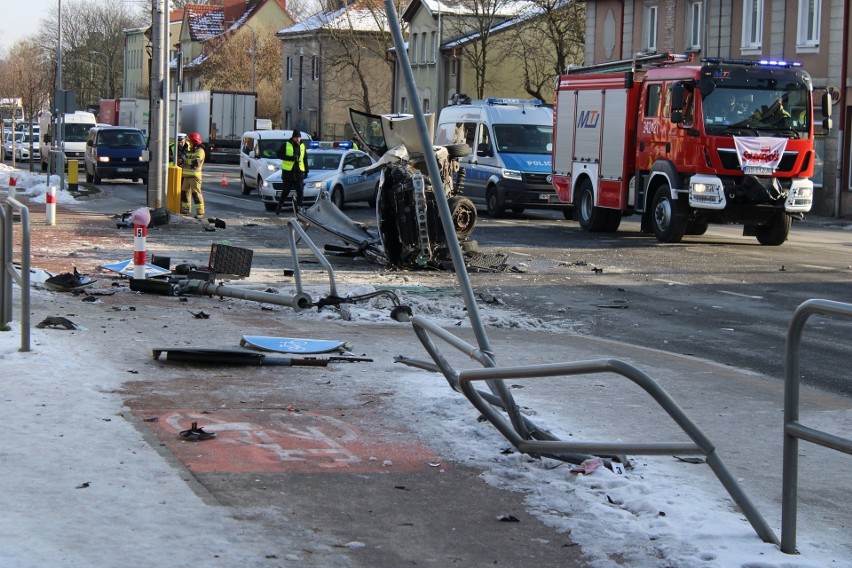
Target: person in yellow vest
(294, 170)
(190, 187)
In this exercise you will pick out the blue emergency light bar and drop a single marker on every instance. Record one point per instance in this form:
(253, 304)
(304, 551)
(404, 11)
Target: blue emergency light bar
(496, 101)
(764, 62)
(316, 144)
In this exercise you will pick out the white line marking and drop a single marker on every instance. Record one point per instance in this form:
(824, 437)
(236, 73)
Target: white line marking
(741, 295)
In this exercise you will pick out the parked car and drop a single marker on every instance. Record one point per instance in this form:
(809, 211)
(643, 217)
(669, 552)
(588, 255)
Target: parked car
(12, 138)
(337, 171)
(116, 152)
(22, 147)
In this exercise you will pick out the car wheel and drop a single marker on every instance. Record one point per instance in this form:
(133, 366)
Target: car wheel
(777, 231)
(457, 150)
(493, 207)
(337, 197)
(97, 177)
(259, 186)
(89, 177)
(668, 220)
(243, 187)
(463, 214)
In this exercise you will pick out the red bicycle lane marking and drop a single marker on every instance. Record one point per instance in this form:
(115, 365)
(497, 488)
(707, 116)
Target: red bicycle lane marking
(279, 441)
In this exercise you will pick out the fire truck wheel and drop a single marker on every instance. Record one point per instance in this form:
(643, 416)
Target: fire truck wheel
(592, 219)
(463, 213)
(492, 204)
(776, 232)
(667, 218)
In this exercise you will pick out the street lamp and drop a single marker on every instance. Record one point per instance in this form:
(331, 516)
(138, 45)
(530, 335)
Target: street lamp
(110, 93)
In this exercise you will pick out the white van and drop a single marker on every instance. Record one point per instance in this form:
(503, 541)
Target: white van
(259, 156)
(75, 131)
(509, 165)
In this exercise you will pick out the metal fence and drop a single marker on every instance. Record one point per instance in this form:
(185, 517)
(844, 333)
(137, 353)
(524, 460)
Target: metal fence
(793, 429)
(8, 271)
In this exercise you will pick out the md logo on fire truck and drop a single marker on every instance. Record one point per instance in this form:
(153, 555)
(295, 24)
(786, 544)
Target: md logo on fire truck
(588, 119)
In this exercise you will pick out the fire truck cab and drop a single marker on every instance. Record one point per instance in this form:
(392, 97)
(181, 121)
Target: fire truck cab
(685, 145)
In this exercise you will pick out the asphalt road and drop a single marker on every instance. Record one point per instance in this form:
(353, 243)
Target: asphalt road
(720, 296)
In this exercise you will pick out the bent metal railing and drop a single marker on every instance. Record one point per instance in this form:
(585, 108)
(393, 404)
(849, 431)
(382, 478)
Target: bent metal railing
(793, 429)
(520, 432)
(8, 274)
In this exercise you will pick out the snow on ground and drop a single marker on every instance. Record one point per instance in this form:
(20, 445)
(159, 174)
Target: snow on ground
(59, 415)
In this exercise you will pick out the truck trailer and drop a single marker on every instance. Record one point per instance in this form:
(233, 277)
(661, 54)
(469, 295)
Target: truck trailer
(685, 144)
(220, 117)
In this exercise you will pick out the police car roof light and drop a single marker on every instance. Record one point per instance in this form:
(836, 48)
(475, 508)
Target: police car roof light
(499, 101)
(346, 145)
(763, 62)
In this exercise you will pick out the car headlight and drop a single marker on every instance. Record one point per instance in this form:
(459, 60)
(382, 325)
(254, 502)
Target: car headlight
(314, 185)
(270, 167)
(512, 174)
(103, 158)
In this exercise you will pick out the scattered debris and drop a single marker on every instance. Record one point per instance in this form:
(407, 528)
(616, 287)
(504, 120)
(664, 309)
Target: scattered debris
(200, 315)
(218, 223)
(68, 281)
(783, 268)
(291, 344)
(689, 460)
(83, 485)
(588, 466)
(508, 519)
(56, 322)
(203, 356)
(597, 270)
(196, 434)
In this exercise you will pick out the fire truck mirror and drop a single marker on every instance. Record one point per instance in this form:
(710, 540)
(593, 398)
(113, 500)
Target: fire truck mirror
(678, 97)
(826, 104)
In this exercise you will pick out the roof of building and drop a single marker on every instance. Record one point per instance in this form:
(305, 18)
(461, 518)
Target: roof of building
(356, 17)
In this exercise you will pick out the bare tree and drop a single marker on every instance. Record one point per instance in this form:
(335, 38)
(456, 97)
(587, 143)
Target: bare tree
(236, 64)
(478, 19)
(356, 52)
(25, 76)
(546, 41)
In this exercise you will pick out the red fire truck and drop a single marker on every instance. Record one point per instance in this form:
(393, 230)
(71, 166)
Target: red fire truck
(686, 144)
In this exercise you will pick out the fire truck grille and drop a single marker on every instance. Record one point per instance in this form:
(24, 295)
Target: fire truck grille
(729, 160)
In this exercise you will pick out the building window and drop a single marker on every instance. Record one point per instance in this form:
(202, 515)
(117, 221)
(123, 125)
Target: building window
(315, 68)
(693, 25)
(423, 58)
(752, 24)
(413, 52)
(433, 50)
(650, 35)
(453, 66)
(404, 105)
(289, 68)
(809, 16)
(426, 107)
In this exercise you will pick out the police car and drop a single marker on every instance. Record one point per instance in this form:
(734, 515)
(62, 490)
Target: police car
(334, 169)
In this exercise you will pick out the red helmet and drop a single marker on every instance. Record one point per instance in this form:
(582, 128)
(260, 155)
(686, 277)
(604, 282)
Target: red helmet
(194, 139)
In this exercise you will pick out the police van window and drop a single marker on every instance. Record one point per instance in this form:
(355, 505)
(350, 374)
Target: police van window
(465, 133)
(652, 100)
(484, 144)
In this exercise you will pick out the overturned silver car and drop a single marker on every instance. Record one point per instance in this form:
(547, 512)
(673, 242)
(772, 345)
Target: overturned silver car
(409, 233)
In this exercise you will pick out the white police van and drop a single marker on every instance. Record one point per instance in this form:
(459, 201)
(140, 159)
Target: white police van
(509, 165)
(259, 156)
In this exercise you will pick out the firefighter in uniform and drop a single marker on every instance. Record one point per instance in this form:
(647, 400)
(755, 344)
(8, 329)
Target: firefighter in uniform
(192, 162)
(294, 170)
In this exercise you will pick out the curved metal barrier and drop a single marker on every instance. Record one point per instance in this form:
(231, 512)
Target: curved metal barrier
(8, 274)
(520, 432)
(793, 429)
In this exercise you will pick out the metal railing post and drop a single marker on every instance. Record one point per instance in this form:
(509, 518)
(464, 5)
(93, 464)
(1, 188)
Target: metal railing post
(7, 266)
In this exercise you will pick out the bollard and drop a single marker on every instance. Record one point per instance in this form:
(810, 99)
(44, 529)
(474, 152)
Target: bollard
(73, 174)
(141, 218)
(50, 206)
(140, 233)
(173, 190)
(13, 186)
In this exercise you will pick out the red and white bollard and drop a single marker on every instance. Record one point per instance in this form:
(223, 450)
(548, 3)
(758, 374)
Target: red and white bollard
(13, 187)
(50, 206)
(141, 218)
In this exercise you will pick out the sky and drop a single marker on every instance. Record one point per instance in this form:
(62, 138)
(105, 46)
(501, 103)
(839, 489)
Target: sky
(661, 513)
(23, 20)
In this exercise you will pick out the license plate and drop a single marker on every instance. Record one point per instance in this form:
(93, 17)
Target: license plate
(758, 170)
(124, 170)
